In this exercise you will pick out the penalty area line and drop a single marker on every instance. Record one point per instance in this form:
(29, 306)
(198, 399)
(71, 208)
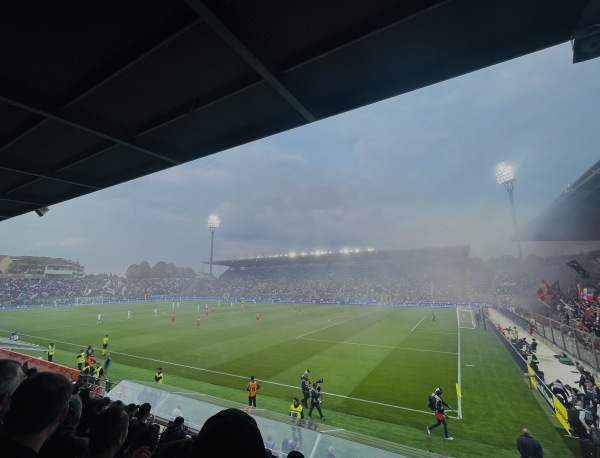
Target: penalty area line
(415, 327)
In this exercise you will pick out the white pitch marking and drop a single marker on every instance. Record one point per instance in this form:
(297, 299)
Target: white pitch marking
(469, 365)
(417, 324)
(335, 324)
(245, 377)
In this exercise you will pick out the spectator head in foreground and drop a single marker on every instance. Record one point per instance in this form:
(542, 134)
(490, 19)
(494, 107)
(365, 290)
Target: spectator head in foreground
(231, 432)
(11, 376)
(143, 413)
(108, 432)
(38, 407)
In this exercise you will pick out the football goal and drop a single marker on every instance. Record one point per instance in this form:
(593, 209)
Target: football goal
(465, 317)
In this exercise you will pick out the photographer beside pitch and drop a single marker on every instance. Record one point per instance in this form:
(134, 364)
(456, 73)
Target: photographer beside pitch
(437, 404)
(305, 386)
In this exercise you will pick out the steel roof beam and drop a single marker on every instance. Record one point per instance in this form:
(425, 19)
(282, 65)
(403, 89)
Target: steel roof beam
(39, 105)
(250, 57)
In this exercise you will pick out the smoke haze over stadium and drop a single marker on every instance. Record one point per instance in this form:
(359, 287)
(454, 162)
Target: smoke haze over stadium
(413, 171)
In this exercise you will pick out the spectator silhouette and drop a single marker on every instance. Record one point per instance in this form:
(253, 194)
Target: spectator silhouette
(231, 433)
(173, 432)
(11, 375)
(38, 407)
(91, 409)
(143, 414)
(108, 432)
(174, 442)
(65, 442)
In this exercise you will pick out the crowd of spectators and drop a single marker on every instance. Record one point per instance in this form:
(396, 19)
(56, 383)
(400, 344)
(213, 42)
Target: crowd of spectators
(43, 414)
(377, 282)
(369, 283)
(38, 289)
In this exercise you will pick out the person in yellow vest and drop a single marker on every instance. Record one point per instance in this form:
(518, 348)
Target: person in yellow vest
(50, 351)
(515, 333)
(104, 345)
(297, 414)
(252, 388)
(159, 376)
(86, 373)
(99, 371)
(80, 359)
(296, 410)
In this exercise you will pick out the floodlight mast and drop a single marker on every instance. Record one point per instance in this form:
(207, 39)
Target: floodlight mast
(213, 224)
(505, 175)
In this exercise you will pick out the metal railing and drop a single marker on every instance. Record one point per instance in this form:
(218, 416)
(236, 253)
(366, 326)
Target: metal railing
(578, 344)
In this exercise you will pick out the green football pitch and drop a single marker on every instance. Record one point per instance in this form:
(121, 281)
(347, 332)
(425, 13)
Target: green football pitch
(379, 364)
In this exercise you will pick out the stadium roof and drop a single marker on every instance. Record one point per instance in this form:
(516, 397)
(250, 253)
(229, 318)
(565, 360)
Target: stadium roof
(572, 216)
(413, 256)
(93, 94)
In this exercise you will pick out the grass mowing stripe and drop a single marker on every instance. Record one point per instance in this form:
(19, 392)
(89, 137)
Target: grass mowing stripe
(378, 346)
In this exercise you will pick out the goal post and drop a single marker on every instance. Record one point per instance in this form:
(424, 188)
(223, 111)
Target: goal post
(465, 317)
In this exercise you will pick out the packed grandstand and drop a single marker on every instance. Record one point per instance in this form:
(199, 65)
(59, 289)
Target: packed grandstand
(430, 274)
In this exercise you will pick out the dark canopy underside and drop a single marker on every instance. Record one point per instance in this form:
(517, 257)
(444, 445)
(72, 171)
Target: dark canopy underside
(93, 94)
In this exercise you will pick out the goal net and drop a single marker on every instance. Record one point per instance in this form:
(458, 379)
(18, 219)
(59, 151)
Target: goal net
(465, 317)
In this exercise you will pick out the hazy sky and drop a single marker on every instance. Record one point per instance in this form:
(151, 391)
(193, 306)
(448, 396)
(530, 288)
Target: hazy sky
(413, 171)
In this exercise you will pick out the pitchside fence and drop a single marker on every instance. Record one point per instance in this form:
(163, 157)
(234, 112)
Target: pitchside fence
(315, 438)
(572, 341)
(535, 381)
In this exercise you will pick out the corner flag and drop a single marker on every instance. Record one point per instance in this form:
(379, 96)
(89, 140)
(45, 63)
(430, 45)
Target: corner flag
(458, 391)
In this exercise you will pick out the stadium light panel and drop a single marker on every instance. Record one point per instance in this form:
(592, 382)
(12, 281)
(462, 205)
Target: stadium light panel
(213, 222)
(505, 173)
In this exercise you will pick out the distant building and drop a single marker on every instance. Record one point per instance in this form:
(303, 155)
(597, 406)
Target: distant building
(64, 268)
(5, 261)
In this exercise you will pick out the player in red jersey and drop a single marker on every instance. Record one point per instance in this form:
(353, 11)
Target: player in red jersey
(198, 323)
(172, 317)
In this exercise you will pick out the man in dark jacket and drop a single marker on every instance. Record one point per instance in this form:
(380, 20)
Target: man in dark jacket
(528, 447)
(305, 386)
(46, 395)
(173, 432)
(315, 401)
(65, 442)
(440, 414)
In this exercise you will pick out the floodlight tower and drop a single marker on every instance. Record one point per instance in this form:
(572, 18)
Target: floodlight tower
(506, 176)
(213, 224)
